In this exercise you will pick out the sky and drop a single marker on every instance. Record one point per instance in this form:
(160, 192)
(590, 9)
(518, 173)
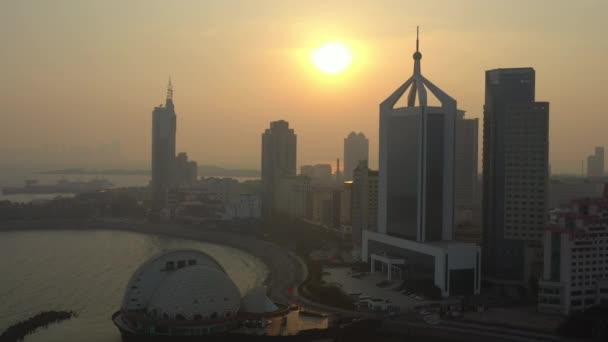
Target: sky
(81, 75)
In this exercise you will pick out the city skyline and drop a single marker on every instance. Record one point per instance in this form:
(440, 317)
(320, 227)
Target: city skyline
(124, 82)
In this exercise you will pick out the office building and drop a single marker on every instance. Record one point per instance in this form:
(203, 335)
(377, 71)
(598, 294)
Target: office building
(416, 193)
(515, 176)
(163, 150)
(356, 148)
(278, 161)
(575, 273)
(595, 163)
(364, 203)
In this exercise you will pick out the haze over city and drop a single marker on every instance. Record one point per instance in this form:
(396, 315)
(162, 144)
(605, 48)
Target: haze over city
(80, 74)
(345, 171)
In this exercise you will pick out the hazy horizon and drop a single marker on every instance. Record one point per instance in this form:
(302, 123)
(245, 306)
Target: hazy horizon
(82, 77)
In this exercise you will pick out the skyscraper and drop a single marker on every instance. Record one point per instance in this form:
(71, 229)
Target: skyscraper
(278, 161)
(356, 148)
(163, 149)
(414, 240)
(595, 163)
(364, 202)
(515, 175)
(465, 174)
(416, 190)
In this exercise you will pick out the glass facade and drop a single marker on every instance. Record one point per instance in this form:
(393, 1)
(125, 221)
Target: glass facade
(434, 176)
(402, 175)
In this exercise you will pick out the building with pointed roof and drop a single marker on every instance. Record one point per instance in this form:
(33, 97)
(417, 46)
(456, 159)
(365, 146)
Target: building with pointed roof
(416, 191)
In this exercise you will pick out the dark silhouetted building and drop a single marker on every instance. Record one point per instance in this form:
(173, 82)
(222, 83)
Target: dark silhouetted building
(467, 212)
(163, 149)
(356, 148)
(595, 163)
(515, 176)
(279, 144)
(364, 202)
(186, 171)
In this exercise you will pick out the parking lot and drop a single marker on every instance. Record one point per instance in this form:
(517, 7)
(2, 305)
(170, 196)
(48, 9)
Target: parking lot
(367, 287)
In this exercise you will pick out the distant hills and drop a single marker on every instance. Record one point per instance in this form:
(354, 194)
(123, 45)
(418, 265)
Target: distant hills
(203, 170)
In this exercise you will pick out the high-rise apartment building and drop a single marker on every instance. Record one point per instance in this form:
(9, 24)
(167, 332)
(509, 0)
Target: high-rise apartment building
(163, 149)
(279, 144)
(595, 163)
(356, 148)
(515, 176)
(364, 202)
(416, 193)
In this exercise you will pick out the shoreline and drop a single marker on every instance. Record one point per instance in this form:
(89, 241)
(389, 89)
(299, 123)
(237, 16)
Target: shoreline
(285, 270)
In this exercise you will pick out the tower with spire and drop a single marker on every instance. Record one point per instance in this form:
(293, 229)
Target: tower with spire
(163, 149)
(417, 160)
(416, 188)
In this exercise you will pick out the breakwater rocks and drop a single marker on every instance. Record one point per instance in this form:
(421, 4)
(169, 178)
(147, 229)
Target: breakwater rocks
(19, 330)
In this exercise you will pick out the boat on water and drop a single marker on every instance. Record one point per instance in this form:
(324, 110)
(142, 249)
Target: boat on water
(185, 295)
(63, 186)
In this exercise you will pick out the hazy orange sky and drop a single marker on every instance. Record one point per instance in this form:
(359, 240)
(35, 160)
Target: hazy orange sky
(86, 73)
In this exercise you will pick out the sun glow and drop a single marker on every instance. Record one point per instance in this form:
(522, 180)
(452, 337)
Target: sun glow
(332, 58)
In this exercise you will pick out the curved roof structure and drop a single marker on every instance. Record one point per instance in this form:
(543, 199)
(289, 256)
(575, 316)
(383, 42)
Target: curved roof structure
(195, 292)
(152, 273)
(417, 85)
(256, 301)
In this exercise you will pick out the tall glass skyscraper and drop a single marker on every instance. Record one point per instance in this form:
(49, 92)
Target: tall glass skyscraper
(416, 189)
(163, 149)
(416, 197)
(515, 175)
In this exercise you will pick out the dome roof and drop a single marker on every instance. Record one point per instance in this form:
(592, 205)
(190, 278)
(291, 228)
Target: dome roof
(196, 290)
(150, 275)
(256, 301)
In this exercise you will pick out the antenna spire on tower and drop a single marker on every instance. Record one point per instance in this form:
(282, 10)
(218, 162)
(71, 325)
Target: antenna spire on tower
(170, 90)
(417, 41)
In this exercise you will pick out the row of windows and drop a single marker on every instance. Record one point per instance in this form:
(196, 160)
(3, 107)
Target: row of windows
(171, 265)
(197, 317)
(589, 276)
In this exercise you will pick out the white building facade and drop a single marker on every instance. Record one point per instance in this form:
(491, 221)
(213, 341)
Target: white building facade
(575, 273)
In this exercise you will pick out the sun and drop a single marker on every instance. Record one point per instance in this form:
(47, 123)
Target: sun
(332, 58)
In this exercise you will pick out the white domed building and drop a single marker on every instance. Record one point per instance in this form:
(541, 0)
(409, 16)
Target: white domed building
(188, 293)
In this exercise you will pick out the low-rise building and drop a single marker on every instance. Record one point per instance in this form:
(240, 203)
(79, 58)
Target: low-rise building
(575, 241)
(563, 191)
(245, 206)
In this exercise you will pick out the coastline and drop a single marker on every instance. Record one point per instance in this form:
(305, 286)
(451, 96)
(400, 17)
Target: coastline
(285, 269)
